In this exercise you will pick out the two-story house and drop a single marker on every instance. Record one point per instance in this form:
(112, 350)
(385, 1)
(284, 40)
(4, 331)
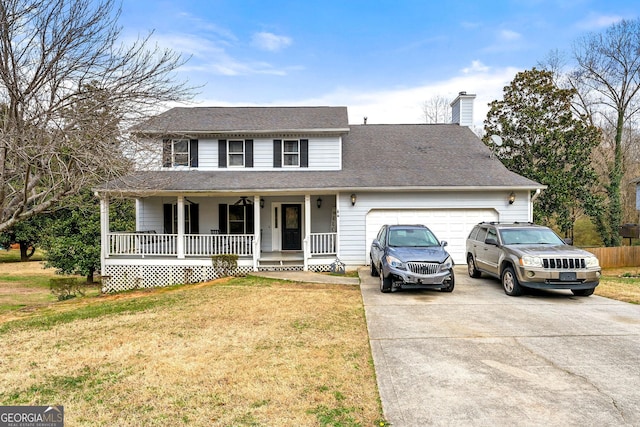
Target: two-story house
(297, 188)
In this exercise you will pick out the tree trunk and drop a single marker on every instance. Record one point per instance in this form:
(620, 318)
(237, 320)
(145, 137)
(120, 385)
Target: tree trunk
(26, 251)
(90, 275)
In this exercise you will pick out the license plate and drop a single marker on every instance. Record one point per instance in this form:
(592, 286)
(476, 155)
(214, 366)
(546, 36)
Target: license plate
(567, 276)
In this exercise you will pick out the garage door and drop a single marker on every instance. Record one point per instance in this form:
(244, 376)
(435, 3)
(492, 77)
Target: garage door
(452, 225)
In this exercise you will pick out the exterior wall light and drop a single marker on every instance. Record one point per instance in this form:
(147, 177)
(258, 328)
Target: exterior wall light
(261, 203)
(353, 199)
(512, 198)
(319, 202)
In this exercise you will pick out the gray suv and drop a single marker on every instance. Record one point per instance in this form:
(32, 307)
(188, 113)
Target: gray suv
(525, 255)
(410, 257)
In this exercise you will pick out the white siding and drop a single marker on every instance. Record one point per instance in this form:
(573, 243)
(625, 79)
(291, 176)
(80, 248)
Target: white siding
(150, 214)
(207, 154)
(325, 153)
(354, 245)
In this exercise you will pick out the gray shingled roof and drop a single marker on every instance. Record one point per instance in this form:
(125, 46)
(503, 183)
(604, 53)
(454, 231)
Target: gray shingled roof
(246, 119)
(394, 157)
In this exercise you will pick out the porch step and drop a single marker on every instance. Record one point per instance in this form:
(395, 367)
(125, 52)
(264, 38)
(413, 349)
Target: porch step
(280, 265)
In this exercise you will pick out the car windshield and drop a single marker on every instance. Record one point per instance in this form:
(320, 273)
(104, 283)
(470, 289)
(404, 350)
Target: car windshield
(412, 237)
(530, 236)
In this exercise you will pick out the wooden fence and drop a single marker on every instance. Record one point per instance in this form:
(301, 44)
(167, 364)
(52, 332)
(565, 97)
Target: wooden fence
(619, 256)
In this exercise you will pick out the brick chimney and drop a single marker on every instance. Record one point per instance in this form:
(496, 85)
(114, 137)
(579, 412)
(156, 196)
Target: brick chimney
(462, 109)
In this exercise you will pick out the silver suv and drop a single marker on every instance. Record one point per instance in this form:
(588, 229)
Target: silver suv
(525, 255)
(411, 257)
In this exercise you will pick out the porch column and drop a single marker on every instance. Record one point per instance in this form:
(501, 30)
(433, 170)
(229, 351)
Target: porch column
(337, 230)
(306, 242)
(104, 228)
(257, 232)
(180, 242)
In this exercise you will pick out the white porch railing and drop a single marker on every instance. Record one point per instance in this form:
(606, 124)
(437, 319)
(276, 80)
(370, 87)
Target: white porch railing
(166, 244)
(218, 244)
(323, 243)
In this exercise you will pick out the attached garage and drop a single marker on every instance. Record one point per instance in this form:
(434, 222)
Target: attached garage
(452, 225)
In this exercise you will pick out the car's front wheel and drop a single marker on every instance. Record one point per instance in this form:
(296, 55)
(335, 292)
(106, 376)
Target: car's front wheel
(374, 270)
(510, 282)
(471, 267)
(583, 292)
(385, 282)
(451, 282)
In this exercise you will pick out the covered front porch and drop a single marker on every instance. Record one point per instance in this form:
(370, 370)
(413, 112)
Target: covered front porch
(177, 236)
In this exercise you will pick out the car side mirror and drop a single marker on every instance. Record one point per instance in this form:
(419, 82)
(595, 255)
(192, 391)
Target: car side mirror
(443, 243)
(376, 243)
(491, 241)
(568, 241)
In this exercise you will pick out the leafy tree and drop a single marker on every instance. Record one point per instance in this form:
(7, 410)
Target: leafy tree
(545, 141)
(28, 234)
(69, 89)
(608, 81)
(73, 242)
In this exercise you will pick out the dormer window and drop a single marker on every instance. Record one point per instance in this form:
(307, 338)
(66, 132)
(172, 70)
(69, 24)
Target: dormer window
(291, 152)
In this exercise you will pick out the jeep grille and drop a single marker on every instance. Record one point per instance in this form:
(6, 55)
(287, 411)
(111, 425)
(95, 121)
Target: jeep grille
(423, 267)
(566, 263)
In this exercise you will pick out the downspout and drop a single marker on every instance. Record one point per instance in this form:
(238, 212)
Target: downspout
(533, 199)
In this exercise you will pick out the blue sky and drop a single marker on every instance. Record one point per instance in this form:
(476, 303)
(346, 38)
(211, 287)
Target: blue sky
(381, 59)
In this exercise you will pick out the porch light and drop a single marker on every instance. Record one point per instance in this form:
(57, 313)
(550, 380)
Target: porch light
(261, 203)
(319, 202)
(353, 199)
(512, 198)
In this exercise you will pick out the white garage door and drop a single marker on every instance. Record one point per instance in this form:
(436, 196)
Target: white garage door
(452, 225)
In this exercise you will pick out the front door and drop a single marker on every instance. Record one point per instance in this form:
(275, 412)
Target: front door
(291, 228)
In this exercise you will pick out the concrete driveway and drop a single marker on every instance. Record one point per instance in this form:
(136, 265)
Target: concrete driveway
(477, 357)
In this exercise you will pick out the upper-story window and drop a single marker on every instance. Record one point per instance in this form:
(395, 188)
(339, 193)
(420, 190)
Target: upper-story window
(180, 152)
(236, 153)
(291, 152)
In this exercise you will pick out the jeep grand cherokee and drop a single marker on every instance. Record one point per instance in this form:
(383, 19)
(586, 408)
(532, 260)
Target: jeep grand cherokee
(525, 255)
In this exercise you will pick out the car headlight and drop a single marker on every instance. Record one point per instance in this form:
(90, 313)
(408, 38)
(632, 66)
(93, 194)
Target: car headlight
(395, 262)
(447, 264)
(531, 261)
(592, 262)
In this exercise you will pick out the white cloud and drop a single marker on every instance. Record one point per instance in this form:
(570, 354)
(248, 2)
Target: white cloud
(509, 35)
(388, 106)
(597, 22)
(270, 41)
(476, 67)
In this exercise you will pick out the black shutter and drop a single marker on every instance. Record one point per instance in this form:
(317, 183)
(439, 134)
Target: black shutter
(222, 153)
(304, 153)
(222, 218)
(250, 219)
(193, 152)
(168, 218)
(248, 153)
(195, 218)
(277, 153)
(166, 153)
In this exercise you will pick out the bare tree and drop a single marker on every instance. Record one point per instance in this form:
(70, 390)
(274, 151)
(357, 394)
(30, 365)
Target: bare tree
(437, 110)
(608, 81)
(68, 92)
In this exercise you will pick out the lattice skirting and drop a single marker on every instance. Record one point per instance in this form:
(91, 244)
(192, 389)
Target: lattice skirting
(117, 278)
